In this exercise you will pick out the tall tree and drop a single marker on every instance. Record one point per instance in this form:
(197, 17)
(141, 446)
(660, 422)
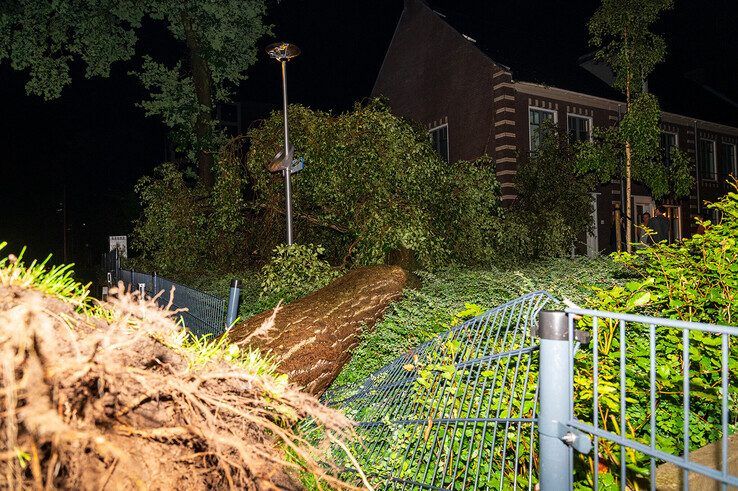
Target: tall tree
(45, 37)
(621, 30)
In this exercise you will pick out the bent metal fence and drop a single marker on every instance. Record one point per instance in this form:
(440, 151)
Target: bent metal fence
(200, 312)
(514, 398)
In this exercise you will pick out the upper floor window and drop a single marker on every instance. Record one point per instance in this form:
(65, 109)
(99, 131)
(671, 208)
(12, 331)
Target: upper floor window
(706, 158)
(439, 140)
(579, 128)
(668, 141)
(727, 160)
(536, 119)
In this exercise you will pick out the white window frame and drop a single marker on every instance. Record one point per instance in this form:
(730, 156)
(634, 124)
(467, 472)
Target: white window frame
(714, 160)
(574, 115)
(448, 138)
(734, 170)
(542, 109)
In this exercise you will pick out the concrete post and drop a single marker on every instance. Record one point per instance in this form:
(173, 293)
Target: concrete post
(555, 402)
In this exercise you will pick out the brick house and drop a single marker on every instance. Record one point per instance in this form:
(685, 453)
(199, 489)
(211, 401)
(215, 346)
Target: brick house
(475, 101)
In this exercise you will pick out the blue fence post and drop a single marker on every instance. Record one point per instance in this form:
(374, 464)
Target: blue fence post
(117, 265)
(155, 283)
(233, 303)
(555, 400)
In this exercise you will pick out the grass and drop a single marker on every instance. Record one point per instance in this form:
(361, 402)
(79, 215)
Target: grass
(59, 282)
(56, 281)
(425, 312)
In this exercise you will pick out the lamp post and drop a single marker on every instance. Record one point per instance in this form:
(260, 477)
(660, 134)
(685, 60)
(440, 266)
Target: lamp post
(284, 52)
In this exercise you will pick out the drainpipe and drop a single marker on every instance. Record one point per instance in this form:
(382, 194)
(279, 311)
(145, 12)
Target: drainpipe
(697, 168)
(622, 179)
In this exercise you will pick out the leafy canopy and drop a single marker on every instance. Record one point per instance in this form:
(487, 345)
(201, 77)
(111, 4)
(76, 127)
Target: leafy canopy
(47, 37)
(553, 208)
(621, 32)
(188, 230)
(296, 270)
(372, 184)
(604, 156)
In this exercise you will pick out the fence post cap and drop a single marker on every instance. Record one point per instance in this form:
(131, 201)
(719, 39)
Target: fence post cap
(552, 324)
(235, 283)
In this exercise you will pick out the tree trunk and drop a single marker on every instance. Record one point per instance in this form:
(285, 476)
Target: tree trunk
(629, 201)
(311, 338)
(203, 91)
(628, 159)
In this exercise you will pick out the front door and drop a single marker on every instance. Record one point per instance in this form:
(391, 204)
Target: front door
(641, 205)
(593, 247)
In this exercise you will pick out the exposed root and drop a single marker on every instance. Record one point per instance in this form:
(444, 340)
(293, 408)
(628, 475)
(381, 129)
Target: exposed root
(87, 403)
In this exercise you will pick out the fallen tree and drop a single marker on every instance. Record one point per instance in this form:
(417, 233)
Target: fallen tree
(311, 338)
(112, 396)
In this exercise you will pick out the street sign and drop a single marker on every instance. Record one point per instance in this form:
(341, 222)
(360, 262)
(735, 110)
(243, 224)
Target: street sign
(119, 242)
(297, 165)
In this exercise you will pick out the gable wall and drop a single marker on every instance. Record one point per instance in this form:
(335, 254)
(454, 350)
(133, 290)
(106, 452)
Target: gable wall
(433, 75)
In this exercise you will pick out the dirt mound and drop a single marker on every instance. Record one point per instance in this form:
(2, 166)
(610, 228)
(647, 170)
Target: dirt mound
(311, 338)
(98, 404)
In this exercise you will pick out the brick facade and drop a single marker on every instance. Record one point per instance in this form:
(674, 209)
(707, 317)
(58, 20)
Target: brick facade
(434, 75)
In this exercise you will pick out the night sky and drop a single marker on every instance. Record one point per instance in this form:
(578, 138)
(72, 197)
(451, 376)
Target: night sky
(93, 143)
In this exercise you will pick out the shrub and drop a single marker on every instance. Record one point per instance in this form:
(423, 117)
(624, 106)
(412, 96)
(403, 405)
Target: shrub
(553, 208)
(296, 270)
(695, 280)
(188, 230)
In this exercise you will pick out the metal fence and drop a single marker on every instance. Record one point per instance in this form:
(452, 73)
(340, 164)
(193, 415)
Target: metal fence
(512, 399)
(459, 411)
(202, 313)
(660, 390)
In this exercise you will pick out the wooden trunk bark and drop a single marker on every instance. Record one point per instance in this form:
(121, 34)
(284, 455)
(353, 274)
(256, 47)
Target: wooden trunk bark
(202, 80)
(311, 338)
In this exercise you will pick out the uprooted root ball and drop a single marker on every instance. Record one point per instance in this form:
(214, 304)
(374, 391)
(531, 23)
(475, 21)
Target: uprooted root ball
(110, 402)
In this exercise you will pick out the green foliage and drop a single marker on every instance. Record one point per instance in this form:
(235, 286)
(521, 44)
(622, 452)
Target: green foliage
(372, 183)
(620, 29)
(554, 205)
(604, 156)
(56, 281)
(296, 270)
(201, 350)
(447, 384)
(695, 280)
(423, 313)
(188, 230)
(46, 37)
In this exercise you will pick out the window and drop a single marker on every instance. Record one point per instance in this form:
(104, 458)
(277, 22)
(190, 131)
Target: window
(668, 141)
(439, 140)
(727, 160)
(579, 128)
(707, 160)
(536, 119)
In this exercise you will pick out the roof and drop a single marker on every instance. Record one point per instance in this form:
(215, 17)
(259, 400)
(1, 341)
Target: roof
(545, 42)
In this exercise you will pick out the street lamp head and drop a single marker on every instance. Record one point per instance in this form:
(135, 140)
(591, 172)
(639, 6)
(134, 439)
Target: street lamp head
(282, 51)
